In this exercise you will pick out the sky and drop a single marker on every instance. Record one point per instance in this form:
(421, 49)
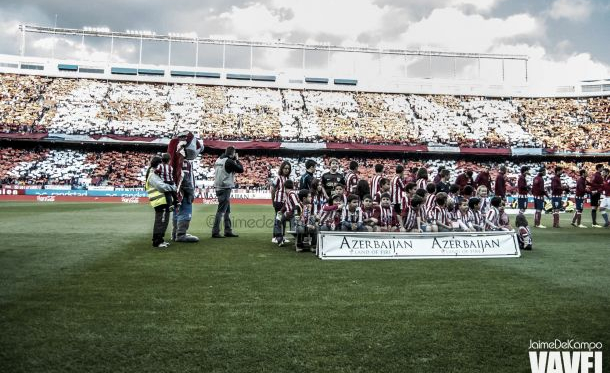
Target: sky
(565, 40)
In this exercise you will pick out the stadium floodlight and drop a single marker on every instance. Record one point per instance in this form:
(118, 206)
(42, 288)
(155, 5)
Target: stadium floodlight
(184, 35)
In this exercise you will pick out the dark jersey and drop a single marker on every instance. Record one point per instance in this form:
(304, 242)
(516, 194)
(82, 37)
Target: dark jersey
(581, 187)
(597, 182)
(306, 180)
(556, 187)
(442, 187)
(538, 187)
(330, 180)
(462, 180)
(500, 186)
(483, 179)
(522, 186)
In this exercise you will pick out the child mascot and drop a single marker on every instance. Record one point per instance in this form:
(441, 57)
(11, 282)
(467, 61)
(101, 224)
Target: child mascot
(184, 149)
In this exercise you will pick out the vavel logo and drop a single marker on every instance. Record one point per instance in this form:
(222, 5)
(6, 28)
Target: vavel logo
(130, 200)
(565, 357)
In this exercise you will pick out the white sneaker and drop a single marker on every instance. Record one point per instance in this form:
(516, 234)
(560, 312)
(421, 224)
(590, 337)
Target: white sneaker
(286, 241)
(596, 226)
(162, 245)
(541, 226)
(582, 226)
(274, 240)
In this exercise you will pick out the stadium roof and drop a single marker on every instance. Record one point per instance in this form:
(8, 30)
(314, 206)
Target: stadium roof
(148, 35)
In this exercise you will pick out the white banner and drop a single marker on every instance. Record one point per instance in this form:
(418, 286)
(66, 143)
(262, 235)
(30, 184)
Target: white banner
(303, 145)
(443, 149)
(105, 188)
(58, 187)
(355, 245)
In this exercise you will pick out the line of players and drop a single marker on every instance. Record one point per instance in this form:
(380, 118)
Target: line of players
(409, 203)
(598, 189)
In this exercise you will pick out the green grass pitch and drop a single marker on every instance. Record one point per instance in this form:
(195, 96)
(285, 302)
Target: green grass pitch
(82, 290)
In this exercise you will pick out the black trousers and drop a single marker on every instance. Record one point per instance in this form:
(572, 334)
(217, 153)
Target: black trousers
(162, 219)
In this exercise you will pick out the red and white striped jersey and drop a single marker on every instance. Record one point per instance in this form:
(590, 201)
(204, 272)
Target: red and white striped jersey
(317, 202)
(165, 171)
(423, 213)
(369, 213)
(421, 183)
(351, 216)
(280, 193)
(329, 216)
(405, 203)
(387, 217)
(485, 206)
(475, 218)
(377, 198)
(292, 199)
(492, 218)
(439, 215)
(396, 189)
(461, 216)
(429, 203)
(375, 184)
(410, 215)
(451, 216)
(304, 213)
(351, 180)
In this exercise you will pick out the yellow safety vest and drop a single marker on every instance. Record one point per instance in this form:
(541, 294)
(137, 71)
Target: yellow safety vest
(155, 197)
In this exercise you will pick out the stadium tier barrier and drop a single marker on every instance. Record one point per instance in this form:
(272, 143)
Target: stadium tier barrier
(453, 245)
(299, 146)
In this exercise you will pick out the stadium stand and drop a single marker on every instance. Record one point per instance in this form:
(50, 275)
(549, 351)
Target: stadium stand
(35, 104)
(125, 169)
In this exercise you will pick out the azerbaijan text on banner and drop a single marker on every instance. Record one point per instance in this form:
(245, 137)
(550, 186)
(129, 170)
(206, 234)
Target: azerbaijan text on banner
(353, 245)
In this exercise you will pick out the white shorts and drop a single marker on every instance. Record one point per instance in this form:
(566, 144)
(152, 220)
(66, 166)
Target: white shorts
(605, 203)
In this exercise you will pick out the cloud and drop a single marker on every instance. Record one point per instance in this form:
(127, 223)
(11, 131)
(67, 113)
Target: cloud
(479, 5)
(542, 69)
(344, 19)
(467, 33)
(573, 10)
(576, 68)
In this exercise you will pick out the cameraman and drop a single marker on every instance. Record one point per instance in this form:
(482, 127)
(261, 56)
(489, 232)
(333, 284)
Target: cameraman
(226, 166)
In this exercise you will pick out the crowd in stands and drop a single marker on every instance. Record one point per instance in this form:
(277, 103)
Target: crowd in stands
(92, 107)
(126, 169)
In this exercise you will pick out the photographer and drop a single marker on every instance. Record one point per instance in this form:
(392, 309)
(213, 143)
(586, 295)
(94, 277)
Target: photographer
(226, 166)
